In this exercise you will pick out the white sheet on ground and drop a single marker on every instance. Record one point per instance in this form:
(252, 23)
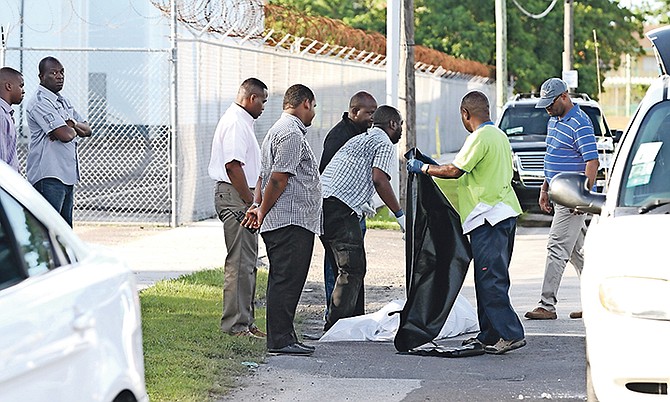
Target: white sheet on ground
(381, 327)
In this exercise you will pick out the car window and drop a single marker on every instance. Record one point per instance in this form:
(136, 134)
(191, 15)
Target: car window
(11, 270)
(528, 119)
(647, 173)
(31, 237)
(524, 120)
(596, 119)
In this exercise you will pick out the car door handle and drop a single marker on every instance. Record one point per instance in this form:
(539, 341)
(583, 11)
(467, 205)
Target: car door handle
(83, 321)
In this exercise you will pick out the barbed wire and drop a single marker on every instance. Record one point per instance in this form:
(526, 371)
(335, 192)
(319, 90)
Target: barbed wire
(335, 32)
(234, 18)
(313, 34)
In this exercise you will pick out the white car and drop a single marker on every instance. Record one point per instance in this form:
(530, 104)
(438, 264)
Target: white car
(625, 284)
(70, 327)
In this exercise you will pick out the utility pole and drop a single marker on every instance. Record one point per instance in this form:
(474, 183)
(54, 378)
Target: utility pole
(407, 95)
(392, 51)
(568, 34)
(501, 55)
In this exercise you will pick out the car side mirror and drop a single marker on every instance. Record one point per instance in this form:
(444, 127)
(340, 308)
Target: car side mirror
(616, 135)
(570, 190)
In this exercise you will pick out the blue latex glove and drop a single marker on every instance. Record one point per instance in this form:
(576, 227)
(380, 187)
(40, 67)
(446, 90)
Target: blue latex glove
(414, 166)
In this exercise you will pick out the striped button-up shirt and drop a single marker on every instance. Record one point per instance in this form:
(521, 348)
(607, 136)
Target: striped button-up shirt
(348, 176)
(285, 150)
(7, 135)
(570, 143)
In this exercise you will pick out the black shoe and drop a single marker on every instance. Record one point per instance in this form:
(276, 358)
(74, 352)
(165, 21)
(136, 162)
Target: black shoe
(312, 348)
(292, 349)
(312, 337)
(473, 341)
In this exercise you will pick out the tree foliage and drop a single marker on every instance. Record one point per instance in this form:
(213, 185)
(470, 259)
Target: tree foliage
(466, 29)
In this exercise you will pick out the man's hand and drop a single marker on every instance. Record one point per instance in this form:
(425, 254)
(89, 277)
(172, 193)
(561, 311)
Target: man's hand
(545, 204)
(414, 166)
(368, 209)
(253, 219)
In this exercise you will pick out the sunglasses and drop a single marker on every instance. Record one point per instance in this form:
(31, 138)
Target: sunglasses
(554, 101)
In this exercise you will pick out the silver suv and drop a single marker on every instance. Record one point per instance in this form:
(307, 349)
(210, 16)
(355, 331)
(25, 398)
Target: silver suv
(526, 128)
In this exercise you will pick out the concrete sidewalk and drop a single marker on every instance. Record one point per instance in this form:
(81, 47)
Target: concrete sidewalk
(157, 253)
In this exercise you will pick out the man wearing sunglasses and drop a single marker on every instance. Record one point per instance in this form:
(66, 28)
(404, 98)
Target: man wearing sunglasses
(571, 147)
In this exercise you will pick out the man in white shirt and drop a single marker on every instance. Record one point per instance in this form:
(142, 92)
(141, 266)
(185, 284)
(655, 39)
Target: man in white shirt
(235, 165)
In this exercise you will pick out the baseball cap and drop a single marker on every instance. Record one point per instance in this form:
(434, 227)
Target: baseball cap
(550, 90)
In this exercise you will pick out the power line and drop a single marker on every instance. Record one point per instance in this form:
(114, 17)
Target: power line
(535, 16)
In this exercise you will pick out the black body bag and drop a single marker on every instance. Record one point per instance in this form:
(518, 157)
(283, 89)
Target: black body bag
(437, 258)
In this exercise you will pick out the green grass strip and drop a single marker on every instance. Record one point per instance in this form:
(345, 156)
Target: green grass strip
(186, 356)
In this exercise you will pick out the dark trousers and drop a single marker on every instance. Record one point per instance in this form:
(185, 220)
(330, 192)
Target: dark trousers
(289, 250)
(343, 237)
(59, 195)
(492, 251)
(330, 273)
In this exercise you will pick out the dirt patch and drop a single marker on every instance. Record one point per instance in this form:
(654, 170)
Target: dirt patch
(384, 280)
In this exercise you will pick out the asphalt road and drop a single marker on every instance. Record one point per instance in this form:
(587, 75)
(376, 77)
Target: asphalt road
(551, 366)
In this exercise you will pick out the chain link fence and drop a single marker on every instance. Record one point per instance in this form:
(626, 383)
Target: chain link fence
(126, 170)
(124, 95)
(210, 72)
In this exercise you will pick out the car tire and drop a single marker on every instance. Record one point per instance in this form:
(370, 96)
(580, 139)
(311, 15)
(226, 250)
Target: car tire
(125, 396)
(590, 391)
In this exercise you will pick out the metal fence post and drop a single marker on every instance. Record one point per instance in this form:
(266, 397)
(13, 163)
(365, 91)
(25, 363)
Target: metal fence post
(173, 116)
(3, 46)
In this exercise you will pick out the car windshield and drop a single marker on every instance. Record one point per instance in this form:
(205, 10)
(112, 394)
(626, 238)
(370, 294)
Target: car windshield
(528, 120)
(646, 180)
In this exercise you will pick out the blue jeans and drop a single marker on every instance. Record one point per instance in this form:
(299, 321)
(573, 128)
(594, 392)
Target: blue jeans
(59, 195)
(492, 251)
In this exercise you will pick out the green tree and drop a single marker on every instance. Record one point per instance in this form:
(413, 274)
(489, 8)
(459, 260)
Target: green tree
(535, 46)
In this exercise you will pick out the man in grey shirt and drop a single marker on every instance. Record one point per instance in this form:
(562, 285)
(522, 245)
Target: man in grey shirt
(289, 215)
(11, 93)
(55, 126)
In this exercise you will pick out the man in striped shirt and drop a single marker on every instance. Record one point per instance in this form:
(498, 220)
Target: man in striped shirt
(287, 209)
(571, 147)
(360, 167)
(11, 93)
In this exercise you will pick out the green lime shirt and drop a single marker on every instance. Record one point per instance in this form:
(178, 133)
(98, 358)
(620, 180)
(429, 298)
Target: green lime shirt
(486, 158)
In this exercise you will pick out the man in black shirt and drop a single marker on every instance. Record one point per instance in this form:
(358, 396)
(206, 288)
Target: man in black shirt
(356, 121)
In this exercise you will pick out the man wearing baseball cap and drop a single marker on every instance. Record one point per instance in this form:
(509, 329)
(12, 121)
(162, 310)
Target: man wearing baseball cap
(571, 147)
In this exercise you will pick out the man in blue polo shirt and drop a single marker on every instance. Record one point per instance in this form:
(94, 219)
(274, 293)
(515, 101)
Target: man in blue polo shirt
(571, 147)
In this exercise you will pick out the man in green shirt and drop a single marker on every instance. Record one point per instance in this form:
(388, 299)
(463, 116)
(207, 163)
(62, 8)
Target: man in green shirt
(488, 208)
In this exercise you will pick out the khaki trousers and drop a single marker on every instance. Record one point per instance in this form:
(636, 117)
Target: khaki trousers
(565, 243)
(239, 284)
